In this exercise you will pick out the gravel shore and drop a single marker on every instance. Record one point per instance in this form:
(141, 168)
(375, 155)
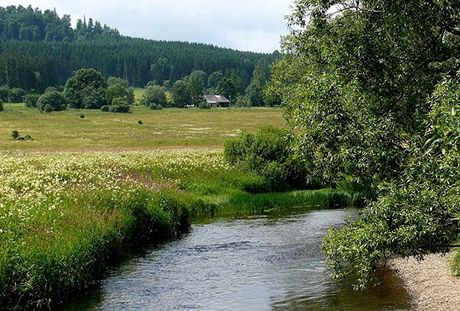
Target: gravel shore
(430, 282)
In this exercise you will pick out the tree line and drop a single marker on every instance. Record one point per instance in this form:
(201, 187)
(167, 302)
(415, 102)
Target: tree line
(40, 49)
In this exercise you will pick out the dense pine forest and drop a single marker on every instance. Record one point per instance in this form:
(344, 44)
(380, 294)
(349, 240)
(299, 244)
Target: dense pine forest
(40, 49)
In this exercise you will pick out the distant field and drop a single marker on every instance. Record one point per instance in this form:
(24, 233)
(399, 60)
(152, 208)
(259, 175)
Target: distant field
(99, 131)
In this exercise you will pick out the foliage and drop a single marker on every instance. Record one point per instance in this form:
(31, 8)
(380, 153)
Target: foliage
(16, 95)
(154, 94)
(15, 134)
(196, 83)
(243, 102)
(1, 105)
(4, 94)
(85, 89)
(416, 213)
(181, 94)
(267, 153)
(31, 99)
(227, 88)
(260, 77)
(355, 78)
(204, 105)
(119, 105)
(38, 49)
(52, 101)
(118, 90)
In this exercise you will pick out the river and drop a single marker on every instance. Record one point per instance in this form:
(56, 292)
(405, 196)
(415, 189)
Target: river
(259, 263)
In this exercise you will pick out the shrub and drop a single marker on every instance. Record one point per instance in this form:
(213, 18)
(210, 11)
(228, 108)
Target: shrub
(82, 116)
(119, 105)
(28, 137)
(105, 108)
(243, 101)
(267, 153)
(140, 122)
(4, 94)
(16, 95)
(86, 88)
(154, 94)
(204, 105)
(15, 134)
(154, 106)
(94, 98)
(1, 105)
(30, 100)
(50, 89)
(52, 101)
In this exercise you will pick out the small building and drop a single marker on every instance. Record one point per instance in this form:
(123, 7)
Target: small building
(217, 101)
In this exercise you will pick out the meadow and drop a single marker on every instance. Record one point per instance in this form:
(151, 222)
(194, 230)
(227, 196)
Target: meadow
(66, 214)
(102, 131)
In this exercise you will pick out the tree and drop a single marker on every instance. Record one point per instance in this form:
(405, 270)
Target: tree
(259, 78)
(51, 101)
(181, 94)
(117, 90)
(113, 81)
(227, 88)
(87, 85)
(363, 83)
(214, 79)
(355, 78)
(154, 95)
(16, 95)
(416, 213)
(197, 82)
(30, 100)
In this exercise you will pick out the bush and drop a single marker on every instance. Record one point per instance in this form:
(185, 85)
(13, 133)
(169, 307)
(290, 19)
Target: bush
(94, 98)
(82, 116)
(16, 95)
(204, 105)
(154, 94)
(140, 122)
(242, 102)
(119, 105)
(1, 105)
(15, 134)
(30, 100)
(4, 94)
(267, 153)
(105, 108)
(52, 101)
(154, 106)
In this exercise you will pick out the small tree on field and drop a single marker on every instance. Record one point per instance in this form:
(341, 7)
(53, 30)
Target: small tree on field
(30, 100)
(52, 101)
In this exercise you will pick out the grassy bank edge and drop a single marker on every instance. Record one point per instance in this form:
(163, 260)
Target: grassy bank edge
(56, 268)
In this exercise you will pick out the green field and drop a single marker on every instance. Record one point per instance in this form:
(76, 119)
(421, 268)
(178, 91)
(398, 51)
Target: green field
(85, 190)
(102, 131)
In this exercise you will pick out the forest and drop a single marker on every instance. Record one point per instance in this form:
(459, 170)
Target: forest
(41, 49)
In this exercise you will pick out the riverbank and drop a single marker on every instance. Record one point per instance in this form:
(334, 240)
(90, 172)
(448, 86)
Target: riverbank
(64, 218)
(429, 282)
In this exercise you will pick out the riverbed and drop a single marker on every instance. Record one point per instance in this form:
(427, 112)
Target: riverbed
(258, 263)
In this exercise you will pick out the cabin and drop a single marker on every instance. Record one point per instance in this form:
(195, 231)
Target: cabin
(217, 101)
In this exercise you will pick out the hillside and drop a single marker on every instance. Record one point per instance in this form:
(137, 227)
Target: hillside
(40, 48)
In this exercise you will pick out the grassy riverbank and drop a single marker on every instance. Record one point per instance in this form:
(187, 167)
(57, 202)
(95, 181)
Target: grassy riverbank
(65, 217)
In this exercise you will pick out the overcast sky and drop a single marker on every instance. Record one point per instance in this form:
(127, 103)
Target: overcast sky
(251, 25)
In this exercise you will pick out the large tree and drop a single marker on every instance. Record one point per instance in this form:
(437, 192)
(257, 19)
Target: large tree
(85, 86)
(371, 87)
(355, 78)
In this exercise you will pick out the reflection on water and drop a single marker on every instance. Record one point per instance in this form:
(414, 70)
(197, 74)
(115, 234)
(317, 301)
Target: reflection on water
(252, 264)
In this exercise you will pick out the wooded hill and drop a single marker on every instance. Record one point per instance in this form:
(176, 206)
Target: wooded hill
(40, 49)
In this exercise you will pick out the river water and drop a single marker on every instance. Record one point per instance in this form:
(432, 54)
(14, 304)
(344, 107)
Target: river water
(260, 263)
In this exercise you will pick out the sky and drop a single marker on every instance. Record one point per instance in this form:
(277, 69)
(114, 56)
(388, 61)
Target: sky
(248, 25)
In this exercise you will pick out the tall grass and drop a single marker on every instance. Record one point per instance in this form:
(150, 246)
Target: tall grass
(65, 217)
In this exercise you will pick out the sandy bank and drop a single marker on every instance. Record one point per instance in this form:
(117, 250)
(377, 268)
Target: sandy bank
(430, 282)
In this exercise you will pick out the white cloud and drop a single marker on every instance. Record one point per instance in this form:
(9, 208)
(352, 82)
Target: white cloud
(240, 24)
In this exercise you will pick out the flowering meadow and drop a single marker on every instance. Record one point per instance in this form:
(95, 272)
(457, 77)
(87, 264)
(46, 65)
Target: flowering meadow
(65, 217)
